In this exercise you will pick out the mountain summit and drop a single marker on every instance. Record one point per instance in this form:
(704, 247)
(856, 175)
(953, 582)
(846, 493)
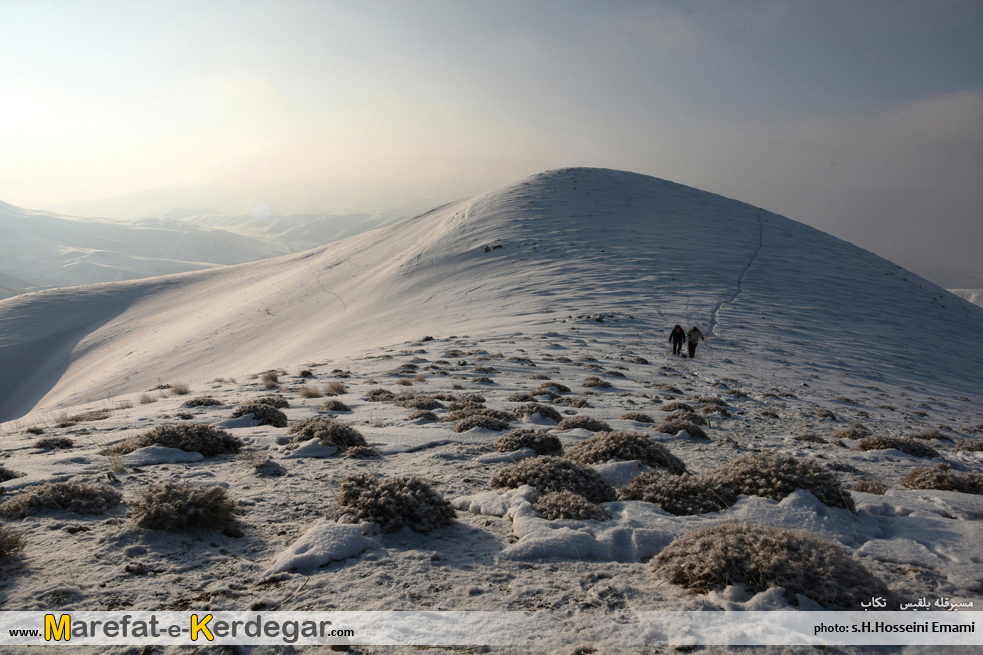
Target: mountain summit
(638, 253)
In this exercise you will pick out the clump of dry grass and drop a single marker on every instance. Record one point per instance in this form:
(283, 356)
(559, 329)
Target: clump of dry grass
(11, 543)
(907, 446)
(271, 380)
(855, 431)
(379, 396)
(776, 476)
(870, 486)
(311, 391)
(584, 422)
(940, 476)
(674, 406)
(810, 438)
(7, 474)
(332, 405)
(393, 503)
(760, 557)
(970, 446)
(180, 388)
(929, 435)
(521, 397)
(576, 403)
(481, 420)
(671, 425)
(418, 401)
(146, 398)
(594, 381)
(54, 443)
(337, 387)
(273, 400)
(681, 495)
(177, 506)
(75, 497)
(262, 413)
(202, 401)
(190, 437)
(555, 474)
(554, 386)
(424, 414)
(566, 504)
(825, 413)
(537, 409)
(329, 432)
(404, 382)
(541, 441)
(625, 446)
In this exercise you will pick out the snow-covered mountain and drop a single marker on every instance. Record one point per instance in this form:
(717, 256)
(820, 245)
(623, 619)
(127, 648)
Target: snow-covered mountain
(767, 291)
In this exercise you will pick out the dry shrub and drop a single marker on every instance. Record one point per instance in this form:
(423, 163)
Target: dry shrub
(760, 557)
(474, 410)
(556, 474)
(11, 542)
(540, 441)
(482, 380)
(907, 446)
(311, 391)
(7, 474)
(329, 432)
(825, 413)
(674, 406)
(264, 466)
(190, 437)
(362, 452)
(776, 476)
(54, 443)
(337, 387)
(625, 446)
(481, 420)
(75, 497)
(577, 403)
(544, 411)
(379, 396)
(594, 381)
(419, 377)
(638, 417)
(941, 477)
(179, 506)
(928, 435)
(584, 422)
(855, 431)
(870, 486)
(810, 438)
(332, 405)
(180, 388)
(970, 446)
(410, 401)
(202, 401)
(555, 386)
(146, 398)
(271, 380)
(687, 416)
(521, 397)
(566, 504)
(681, 495)
(671, 425)
(422, 413)
(273, 400)
(393, 503)
(262, 413)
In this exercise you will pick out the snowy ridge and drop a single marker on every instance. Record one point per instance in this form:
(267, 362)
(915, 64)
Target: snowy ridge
(526, 257)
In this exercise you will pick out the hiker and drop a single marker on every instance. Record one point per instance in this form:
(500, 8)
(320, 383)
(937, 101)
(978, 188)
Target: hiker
(694, 338)
(677, 337)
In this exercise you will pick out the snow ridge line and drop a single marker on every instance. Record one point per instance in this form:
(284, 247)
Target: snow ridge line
(740, 278)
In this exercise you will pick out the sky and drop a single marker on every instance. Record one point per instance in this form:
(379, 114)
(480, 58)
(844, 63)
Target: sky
(861, 118)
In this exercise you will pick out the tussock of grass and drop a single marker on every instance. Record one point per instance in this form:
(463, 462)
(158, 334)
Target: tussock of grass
(869, 486)
(481, 420)
(337, 387)
(533, 409)
(180, 388)
(929, 435)
(638, 417)
(594, 381)
(379, 396)
(940, 476)
(675, 406)
(393, 503)
(855, 431)
(424, 414)
(760, 557)
(520, 398)
(670, 425)
(566, 504)
(262, 413)
(556, 474)
(190, 437)
(329, 432)
(907, 446)
(202, 401)
(311, 391)
(11, 543)
(412, 401)
(54, 443)
(332, 405)
(625, 446)
(75, 497)
(273, 400)
(176, 506)
(681, 495)
(970, 446)
(555, 386)
(540, 441)
(584, 422)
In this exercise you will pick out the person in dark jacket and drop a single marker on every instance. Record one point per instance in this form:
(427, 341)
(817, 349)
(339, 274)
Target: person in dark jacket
(677, 337)
(695, 336)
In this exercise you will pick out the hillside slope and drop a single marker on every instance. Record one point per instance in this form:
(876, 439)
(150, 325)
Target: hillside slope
(532, 256)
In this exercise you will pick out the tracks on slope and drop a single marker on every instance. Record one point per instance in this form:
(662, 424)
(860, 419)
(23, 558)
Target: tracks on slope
(740, 278)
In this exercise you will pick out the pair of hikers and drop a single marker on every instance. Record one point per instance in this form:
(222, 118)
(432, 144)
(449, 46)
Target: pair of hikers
(678, 335)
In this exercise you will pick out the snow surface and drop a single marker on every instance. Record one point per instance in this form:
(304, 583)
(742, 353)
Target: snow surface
(595, 267)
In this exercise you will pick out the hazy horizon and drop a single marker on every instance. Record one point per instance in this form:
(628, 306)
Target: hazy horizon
(862, 120)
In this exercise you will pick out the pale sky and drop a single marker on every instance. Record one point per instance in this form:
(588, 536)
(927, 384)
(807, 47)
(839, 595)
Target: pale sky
(864, 119)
